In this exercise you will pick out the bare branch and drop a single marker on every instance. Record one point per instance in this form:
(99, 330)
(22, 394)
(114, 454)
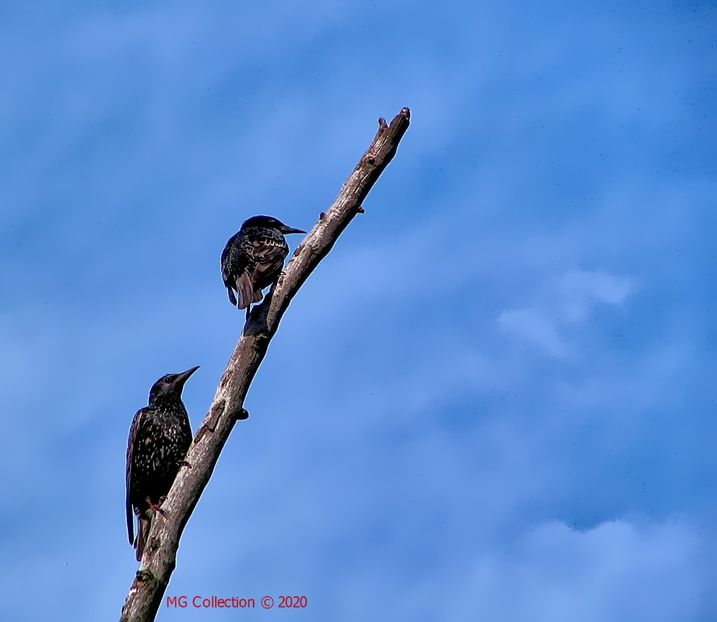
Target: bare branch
(145, 594)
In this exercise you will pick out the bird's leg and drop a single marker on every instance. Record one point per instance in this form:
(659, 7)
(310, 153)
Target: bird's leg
(156, 507)
(185, 463)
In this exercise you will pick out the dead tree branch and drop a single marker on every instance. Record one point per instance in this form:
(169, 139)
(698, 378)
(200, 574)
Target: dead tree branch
(159, 560)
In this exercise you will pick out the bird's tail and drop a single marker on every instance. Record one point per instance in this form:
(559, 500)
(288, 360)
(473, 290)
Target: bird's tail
(141, 540)
(245, 289)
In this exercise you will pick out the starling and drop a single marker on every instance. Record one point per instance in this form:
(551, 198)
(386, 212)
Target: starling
(253, 258)
(158, 442)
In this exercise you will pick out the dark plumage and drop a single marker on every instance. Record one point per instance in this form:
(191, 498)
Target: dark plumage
(253, 259)
(158, 442)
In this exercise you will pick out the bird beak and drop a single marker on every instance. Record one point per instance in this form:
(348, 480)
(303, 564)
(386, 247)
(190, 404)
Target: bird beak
(285, 230)
(184, 376)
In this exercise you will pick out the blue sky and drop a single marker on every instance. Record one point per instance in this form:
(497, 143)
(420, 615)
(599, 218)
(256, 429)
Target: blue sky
(492, 401)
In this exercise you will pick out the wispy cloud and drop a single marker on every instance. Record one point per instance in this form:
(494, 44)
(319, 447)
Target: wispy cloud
(610, 572)
(515, 337)
(563, 303)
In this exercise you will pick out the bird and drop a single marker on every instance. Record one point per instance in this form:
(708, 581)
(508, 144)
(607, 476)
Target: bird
(159, 438)
(253, 259)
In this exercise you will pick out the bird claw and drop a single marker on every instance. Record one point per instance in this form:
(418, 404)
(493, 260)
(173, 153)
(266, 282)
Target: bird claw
(185, 464)
(157, 507)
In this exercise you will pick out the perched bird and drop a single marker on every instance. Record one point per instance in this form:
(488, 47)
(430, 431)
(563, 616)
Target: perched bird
(158, 442)
(253, 258)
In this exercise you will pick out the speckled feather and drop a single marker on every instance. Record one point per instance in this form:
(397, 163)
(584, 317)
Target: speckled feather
(256, 254)
(253, 258)
(159, 438)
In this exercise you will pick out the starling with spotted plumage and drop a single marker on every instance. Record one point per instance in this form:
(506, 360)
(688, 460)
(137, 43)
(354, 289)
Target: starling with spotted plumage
(158, 442)
(253, 259)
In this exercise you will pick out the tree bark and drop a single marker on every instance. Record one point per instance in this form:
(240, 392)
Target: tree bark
(159, 560)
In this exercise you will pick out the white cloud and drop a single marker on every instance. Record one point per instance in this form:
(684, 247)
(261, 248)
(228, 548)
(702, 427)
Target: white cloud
(563, 302)
(616, 571)
(534, 327)
(361, 443)
(577, 291)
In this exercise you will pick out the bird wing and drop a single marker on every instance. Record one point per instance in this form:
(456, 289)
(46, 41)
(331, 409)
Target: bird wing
(267, 260)
(136, 424)
(269, 254)
(229, 257)
(267, 249)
